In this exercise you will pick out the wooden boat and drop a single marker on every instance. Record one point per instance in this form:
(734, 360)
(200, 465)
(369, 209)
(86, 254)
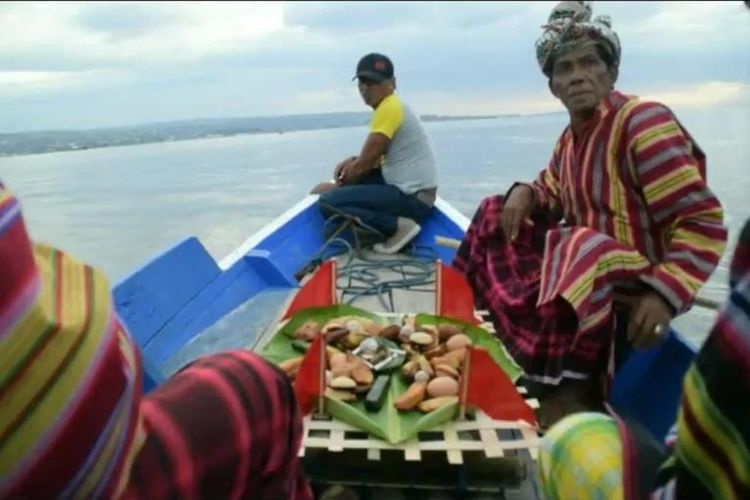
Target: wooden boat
(184, 304)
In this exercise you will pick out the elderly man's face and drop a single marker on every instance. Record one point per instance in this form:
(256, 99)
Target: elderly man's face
(581, 79)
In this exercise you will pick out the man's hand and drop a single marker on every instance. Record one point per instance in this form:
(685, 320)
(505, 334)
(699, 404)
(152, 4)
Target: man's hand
(649, 320)
(338, 172)
(516, 209)
(352, 173)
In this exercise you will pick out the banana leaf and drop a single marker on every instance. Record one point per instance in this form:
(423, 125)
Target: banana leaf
(387, 423)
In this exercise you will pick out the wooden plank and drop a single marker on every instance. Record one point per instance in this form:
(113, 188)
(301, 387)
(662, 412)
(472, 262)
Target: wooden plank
(486, 427)
(411, 451)
(336, 441)
(453, 445)
(488, 436)
(531, 442)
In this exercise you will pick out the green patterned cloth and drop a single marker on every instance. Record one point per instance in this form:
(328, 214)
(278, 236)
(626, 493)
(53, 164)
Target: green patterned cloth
(569, 26)
(582, 438)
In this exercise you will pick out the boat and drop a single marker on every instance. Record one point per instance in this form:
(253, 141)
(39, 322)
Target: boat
(184, 304)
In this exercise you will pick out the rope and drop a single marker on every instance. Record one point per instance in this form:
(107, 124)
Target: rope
(364, 275)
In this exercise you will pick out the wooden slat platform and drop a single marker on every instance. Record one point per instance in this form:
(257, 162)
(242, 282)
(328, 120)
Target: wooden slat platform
(455, 439)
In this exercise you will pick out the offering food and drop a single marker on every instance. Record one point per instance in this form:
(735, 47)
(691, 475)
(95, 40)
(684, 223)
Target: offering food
(362, 357)
(434, 365)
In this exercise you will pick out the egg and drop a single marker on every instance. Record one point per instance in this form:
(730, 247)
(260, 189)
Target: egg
(442, 386)
(343, 383)
(420, 338)
(457, 342)
(405, 333)
(354, 326)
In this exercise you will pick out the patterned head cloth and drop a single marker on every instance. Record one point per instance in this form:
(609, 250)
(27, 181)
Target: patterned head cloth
(569, 26)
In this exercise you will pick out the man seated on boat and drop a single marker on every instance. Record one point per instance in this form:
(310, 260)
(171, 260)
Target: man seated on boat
(392, 184)
(74, 422)
(622, 211)
(707, 453)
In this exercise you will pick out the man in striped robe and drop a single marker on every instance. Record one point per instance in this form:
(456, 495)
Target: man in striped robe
(618, 233)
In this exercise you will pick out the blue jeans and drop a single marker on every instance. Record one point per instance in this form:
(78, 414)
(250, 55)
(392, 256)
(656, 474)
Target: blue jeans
(375, 203)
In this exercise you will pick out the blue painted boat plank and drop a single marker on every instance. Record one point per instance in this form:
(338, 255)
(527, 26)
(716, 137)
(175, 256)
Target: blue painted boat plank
(438, 224)
(296, 242)
(648, 387)
(154, 294)
(229, 290)
(241, 328)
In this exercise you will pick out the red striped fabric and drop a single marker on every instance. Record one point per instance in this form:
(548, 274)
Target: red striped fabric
(71, 409)
(227, 426)
(636, 212)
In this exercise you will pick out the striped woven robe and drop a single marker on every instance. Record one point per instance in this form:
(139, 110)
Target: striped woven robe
(636, 213)
(74, 424)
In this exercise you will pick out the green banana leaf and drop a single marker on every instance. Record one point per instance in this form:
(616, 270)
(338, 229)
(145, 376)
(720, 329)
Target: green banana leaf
(387, 423)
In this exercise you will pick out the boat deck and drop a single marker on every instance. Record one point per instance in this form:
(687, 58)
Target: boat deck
(473, 459)
(478, 459)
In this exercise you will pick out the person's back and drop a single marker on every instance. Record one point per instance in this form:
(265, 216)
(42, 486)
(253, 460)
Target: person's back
(71, 384)
(74, 423)
(409, 161)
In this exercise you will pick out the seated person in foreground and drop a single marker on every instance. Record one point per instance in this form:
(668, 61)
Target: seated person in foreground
(641, 231)
(707, 453)
(74, 422)
(392, 185)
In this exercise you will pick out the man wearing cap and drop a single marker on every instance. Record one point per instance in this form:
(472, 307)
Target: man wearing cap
(618, 233)
(392, 184)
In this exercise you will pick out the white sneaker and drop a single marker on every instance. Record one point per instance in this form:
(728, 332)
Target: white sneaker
(405, 232)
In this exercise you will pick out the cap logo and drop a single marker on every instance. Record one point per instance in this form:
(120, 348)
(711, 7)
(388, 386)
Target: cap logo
(379, 65)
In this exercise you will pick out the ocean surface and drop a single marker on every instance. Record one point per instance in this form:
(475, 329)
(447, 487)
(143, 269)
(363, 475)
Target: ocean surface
(117, 207)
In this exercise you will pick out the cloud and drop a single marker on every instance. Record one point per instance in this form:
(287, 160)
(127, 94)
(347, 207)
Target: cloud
(131, 33)
(15, 84)
(703, 94)
(76, 64)
(369, 17)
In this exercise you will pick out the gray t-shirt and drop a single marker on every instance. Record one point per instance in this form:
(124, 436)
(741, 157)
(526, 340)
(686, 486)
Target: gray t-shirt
(409, 162)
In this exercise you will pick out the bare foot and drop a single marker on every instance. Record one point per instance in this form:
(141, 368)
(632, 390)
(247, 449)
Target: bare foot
(324, 187)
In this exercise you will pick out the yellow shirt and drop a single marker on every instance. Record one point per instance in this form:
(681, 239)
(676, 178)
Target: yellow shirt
(388, 117)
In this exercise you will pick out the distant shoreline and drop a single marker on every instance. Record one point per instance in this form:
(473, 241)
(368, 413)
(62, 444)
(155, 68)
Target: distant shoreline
(55, 141)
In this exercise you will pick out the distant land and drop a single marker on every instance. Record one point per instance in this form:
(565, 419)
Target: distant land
(34, 142)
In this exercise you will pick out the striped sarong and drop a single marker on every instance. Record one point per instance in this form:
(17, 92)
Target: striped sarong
(226, 426)
(550, 293)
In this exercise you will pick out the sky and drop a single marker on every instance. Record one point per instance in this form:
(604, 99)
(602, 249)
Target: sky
(72, 65)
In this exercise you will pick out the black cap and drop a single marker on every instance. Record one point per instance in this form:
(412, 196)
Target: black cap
(375, 67)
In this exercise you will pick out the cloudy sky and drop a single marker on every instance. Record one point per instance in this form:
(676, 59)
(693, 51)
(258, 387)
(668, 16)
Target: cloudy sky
(80, 65)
